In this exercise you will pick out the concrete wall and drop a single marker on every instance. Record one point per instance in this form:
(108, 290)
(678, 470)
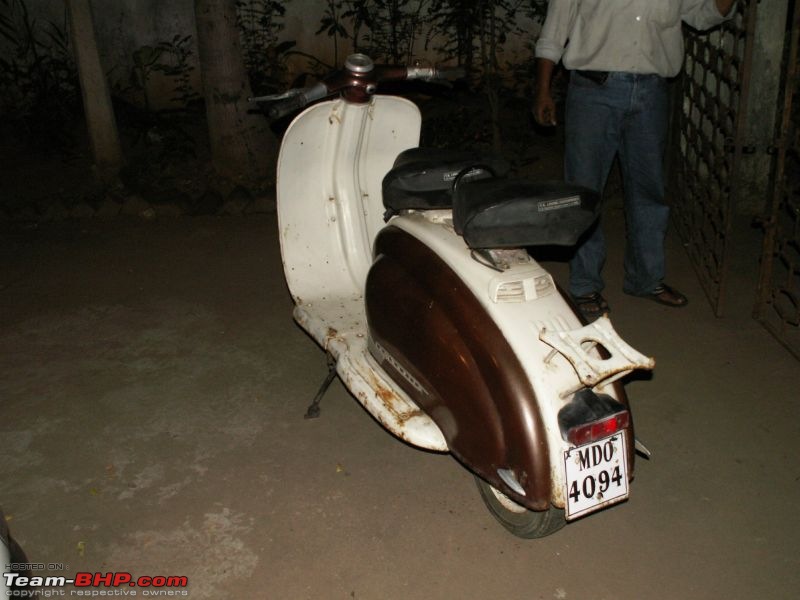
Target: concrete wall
(763, 110)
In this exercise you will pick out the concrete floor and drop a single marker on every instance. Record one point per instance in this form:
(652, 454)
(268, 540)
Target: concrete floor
(152, 391)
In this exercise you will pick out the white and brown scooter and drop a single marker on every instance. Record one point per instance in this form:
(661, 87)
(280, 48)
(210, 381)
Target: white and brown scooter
(408, 267)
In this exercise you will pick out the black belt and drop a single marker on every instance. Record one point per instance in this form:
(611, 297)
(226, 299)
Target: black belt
(599, 77)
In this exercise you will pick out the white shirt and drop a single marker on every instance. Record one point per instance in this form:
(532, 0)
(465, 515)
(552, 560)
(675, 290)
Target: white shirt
(636, 36)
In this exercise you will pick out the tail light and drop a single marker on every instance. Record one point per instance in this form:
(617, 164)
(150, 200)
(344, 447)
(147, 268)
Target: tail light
(589, 417)
(591, 432)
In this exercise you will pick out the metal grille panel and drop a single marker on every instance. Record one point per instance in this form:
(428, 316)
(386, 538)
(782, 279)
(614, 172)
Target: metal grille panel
(778, 304)
(710, 118)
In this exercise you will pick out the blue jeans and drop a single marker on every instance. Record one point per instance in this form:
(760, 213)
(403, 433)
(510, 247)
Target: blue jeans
(625, 115)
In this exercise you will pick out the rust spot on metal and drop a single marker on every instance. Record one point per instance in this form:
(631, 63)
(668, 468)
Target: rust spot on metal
(557, 492)
(390, 400)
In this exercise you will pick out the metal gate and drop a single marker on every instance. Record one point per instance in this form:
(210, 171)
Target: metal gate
(710, 115)
(778, 301)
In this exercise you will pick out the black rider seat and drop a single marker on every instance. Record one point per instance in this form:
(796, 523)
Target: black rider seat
(422, 178)
(508, 213)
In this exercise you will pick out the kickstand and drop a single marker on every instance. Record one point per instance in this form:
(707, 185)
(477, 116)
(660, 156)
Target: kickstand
(313, 408)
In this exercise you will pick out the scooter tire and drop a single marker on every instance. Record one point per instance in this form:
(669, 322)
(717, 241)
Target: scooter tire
(517, 519)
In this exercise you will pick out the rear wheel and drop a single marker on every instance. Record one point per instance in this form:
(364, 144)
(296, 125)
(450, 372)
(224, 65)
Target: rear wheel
(520, 521)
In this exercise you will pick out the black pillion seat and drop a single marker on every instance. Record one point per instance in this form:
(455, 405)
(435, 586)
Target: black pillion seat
(508, 213)
(422, 178)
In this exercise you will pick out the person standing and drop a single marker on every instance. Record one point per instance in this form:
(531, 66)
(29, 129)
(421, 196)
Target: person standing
(620, 54)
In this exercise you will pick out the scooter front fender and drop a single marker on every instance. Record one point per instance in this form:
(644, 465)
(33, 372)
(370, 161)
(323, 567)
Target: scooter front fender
(438, 343)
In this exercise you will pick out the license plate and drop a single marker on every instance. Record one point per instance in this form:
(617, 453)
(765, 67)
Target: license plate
(596, 475)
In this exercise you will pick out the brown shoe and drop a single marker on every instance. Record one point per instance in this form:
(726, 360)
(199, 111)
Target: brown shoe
(591, 306)
(664, 294)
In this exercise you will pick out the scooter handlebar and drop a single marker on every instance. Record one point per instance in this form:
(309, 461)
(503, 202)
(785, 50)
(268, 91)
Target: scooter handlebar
(360, 79)
(295, 99)
(441, 73)
(284, 107)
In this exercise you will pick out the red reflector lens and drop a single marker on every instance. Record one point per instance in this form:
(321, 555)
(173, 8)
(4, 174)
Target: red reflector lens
(597, 430)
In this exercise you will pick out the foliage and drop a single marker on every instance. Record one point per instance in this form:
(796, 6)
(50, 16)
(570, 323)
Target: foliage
(331, 24)
(522, 70)
(474, 33)
(175, 62)
(453, 30)
(260, 24)
(394, 28)
(387, 30)
(38, 75)
(144, 62)
(161, 134)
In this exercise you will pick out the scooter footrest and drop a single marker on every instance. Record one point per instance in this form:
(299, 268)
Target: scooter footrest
(614, 358)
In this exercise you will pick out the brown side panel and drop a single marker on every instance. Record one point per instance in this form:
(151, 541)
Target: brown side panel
(457, 365)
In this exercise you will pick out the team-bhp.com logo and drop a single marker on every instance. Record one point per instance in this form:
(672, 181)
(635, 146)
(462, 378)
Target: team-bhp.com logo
(96, 584)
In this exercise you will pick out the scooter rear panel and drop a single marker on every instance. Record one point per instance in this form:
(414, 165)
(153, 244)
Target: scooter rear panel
(437, 341)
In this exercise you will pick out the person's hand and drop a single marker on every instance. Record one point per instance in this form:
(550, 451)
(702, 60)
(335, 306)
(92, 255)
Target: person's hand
(544, 109)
